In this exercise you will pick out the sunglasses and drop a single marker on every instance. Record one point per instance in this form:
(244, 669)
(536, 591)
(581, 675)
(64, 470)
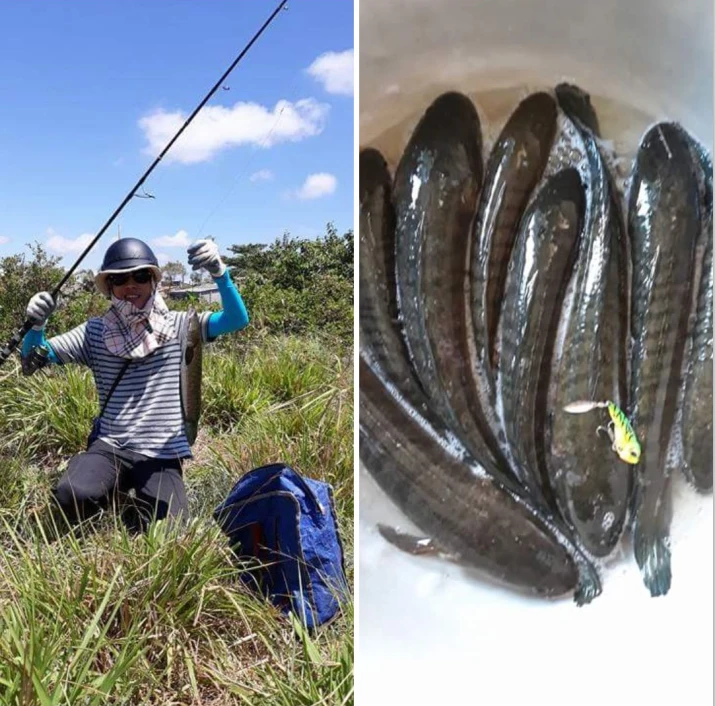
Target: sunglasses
(140, 277)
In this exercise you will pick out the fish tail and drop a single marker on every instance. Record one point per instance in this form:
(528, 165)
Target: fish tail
(653, 556)
(589, 586)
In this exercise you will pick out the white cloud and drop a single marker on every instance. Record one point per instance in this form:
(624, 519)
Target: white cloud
(4, 239)
(262, 175)
(218, 127)
(62, 246)
(179, 240)
(335, 71)
(163, 258)
(317, 185)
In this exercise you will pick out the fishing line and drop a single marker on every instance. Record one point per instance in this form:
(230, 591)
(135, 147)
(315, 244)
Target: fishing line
(245, 168)
(20, 333)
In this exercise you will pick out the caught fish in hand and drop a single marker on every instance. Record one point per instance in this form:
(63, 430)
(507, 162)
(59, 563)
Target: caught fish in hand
(190, 385)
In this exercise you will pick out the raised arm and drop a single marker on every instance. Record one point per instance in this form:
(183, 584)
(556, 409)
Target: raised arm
(39, 309)
(204, 254)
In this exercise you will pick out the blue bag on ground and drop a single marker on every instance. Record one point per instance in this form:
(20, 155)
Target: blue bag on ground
(288, 523)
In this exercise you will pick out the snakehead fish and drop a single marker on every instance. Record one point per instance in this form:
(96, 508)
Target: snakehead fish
(466, 512)
(592, 486)
(664, 225)
(696, 411)
(190, 377)
(435, 193)
(516, 164)
(540, 266)
(387, 381)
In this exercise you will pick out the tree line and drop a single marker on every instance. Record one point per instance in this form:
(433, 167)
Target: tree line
(293, 286)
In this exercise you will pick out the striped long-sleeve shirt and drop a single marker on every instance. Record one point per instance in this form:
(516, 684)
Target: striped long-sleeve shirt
(144, 413)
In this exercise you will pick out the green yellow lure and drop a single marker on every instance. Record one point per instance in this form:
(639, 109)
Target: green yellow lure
(619, 429)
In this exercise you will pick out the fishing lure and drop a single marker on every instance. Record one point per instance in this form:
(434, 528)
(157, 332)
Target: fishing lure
(620, 431)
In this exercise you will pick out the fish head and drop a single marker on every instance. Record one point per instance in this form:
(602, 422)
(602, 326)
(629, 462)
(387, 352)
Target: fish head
(628, 452)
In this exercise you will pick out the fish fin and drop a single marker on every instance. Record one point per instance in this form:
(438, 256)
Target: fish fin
(413, 544)
(700, 482)
(653, 556)
(589, 586)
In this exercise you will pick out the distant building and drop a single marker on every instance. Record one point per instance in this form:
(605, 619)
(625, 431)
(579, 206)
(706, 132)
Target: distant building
(205, 292)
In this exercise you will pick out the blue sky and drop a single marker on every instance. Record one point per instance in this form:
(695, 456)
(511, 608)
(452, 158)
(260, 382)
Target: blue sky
(92, 91)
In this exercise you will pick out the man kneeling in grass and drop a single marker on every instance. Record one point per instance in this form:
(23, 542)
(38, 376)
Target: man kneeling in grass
(140, 439)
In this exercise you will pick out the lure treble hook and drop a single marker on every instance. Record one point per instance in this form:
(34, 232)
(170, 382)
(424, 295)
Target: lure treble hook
(620, 431)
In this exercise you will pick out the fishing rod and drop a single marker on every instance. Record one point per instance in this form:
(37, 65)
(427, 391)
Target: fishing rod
(17, 337)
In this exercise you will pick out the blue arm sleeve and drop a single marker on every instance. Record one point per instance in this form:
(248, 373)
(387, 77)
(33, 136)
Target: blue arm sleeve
(234, 316)
(37, 338)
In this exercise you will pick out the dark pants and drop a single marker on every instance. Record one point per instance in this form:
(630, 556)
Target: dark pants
(104, 474)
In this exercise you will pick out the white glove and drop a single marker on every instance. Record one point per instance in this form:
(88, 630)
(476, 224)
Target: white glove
(205, 254)
(39, 309)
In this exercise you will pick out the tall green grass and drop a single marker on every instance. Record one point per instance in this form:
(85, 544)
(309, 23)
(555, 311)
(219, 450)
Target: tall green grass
(107, 617)
(52, 411)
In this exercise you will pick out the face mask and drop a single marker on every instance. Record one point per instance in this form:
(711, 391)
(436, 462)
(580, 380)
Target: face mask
(131, 332)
